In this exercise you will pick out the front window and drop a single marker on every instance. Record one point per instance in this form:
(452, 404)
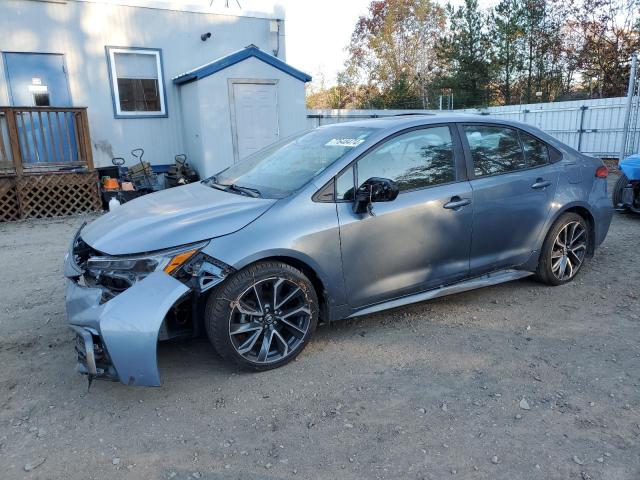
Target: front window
(289, 164)
(136, 82)
(417, 159)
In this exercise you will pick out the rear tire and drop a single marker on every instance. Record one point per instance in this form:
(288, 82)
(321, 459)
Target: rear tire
(263, 316)
(564, 250)
(618, 188)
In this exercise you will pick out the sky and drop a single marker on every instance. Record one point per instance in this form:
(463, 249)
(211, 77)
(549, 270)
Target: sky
(318, 32)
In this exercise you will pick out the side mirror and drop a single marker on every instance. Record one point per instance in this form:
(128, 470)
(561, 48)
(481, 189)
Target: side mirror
(374, 190)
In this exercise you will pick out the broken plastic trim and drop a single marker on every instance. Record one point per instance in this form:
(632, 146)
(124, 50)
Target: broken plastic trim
(203, 272)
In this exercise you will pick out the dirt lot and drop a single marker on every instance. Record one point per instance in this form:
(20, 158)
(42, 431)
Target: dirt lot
(431, 391)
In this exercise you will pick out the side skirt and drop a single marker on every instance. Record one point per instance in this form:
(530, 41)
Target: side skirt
(471, 284)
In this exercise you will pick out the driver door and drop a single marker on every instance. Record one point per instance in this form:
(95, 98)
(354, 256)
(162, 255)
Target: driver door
(422, 239)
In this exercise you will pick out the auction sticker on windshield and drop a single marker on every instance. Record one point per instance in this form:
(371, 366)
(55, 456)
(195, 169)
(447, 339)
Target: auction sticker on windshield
(344, 142)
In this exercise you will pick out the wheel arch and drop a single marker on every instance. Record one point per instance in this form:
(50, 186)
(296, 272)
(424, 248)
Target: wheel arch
(585, 212)
(312, 271)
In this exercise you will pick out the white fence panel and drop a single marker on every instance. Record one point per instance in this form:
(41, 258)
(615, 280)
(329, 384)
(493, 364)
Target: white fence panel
(593, 127)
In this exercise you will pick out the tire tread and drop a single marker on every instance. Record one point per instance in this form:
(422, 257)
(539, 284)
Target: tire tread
(616, 196)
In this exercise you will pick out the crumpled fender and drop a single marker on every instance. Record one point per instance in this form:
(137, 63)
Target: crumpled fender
(128, 323)
(129, 326)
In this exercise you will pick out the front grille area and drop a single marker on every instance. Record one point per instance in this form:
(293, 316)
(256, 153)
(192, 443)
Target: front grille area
(92, 356)
(82, 252)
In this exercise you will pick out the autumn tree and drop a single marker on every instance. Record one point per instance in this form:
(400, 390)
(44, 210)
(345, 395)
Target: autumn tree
(392, 52)
(338, 96)
(404, 53)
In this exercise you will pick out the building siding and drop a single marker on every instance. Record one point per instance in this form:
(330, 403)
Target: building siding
(80, 30)
(208, 132)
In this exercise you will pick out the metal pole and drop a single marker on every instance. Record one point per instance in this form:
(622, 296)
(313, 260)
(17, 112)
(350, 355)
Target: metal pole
(635, 139)
(440, 102)
(627, 112)
(583, 108)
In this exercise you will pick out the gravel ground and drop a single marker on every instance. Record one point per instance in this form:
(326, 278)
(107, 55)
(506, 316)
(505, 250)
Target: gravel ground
(432, 391)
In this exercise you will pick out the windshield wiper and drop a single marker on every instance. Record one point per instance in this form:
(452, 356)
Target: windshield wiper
(252, 192)
(213, 183)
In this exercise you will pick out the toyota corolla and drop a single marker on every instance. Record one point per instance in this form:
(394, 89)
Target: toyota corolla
(333, 223)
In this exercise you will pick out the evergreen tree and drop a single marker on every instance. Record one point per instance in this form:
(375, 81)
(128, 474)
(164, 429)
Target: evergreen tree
(507, 41)
(465, 48)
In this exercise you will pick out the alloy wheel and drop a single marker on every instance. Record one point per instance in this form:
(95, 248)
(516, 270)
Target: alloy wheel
(269, 320)
(568, 251)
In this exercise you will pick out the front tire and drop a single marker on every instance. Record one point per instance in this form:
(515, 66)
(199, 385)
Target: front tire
(564, 250)
(262, 316)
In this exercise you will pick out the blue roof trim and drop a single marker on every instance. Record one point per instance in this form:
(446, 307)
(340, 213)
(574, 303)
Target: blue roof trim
(236, 57)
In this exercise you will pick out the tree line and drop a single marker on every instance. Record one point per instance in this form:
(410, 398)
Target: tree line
(418, 54)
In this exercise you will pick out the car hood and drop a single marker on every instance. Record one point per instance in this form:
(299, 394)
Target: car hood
(172, 217)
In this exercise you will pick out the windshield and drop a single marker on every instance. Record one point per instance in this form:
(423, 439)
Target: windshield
(289, 164)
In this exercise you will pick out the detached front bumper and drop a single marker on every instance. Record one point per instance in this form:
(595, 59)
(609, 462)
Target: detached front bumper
(118, 338)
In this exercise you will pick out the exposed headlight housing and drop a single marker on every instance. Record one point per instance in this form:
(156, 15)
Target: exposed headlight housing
(117, 273)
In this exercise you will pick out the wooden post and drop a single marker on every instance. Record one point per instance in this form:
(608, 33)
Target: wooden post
(86, 139)
(16, 154)
(14, 140)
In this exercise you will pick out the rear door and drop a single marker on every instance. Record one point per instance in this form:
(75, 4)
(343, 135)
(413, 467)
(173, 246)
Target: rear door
(421, 239)
(514, 183)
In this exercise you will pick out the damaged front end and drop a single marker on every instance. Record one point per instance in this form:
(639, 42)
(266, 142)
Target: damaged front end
(120, 306)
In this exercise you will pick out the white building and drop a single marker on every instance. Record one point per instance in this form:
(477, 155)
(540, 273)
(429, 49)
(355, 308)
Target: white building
(252, 95)
(118, 58)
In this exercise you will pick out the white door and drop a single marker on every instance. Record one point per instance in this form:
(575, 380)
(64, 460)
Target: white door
(256, 117)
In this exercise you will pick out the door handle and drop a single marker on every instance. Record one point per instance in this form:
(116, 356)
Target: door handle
(541, 183)
(456, 203)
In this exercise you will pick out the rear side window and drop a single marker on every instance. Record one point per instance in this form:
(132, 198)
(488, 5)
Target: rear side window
(536, 153)
(417, 159)
(494, 149)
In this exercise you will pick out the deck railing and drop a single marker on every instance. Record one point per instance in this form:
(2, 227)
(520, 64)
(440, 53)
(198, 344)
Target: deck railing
(41, 139)
(46, 163)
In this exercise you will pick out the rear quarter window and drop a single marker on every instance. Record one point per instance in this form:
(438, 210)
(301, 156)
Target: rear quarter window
(536, 152)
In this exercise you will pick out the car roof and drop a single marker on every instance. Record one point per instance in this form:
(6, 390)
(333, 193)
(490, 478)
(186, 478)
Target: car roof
(395, 123)
(414, 119)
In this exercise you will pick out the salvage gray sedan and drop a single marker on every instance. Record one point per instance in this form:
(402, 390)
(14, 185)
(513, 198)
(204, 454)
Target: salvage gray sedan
(338, 222)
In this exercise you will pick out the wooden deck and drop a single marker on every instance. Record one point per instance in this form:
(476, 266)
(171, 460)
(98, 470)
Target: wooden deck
(46, 163)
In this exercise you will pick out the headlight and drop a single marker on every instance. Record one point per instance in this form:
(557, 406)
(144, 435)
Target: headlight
(119, 273)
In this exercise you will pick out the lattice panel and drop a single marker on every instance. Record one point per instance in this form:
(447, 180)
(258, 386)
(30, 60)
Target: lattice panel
(9, 206)
(58, 195)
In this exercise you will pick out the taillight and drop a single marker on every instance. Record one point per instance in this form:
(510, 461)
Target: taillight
(602, 171)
